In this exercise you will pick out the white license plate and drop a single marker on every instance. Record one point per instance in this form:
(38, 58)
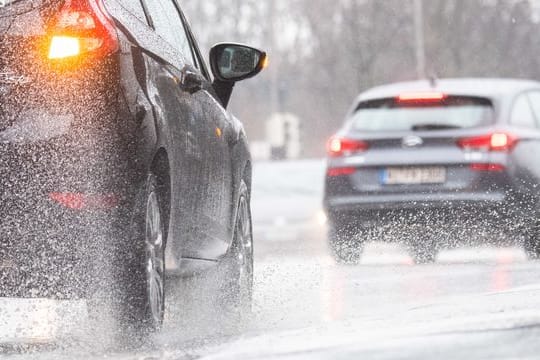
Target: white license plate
(414, 175)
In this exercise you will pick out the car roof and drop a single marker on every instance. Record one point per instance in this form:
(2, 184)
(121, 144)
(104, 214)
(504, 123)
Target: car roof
(474, 87)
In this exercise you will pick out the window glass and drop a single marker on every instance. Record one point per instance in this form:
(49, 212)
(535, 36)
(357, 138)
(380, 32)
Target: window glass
(535, 103)
(452, 113)
(522, 113)
(169, 26)
(134, 7)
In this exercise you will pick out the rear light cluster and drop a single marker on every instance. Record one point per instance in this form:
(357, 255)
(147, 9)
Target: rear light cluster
(488, 167)
(341, 171)
(80, 201)
(494, 142)
(82, 27)
(338, 146)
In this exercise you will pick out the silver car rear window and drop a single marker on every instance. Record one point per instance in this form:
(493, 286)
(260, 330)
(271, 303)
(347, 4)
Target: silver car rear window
(448, 113)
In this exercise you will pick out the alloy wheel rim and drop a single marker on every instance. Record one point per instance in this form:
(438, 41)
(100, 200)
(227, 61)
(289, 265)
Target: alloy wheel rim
(244, 243)
(155, 266)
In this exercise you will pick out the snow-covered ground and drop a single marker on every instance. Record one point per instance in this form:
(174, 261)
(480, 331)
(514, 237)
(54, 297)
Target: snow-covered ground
(472, 303)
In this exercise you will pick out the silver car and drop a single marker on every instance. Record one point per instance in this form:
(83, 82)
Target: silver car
(431, 162)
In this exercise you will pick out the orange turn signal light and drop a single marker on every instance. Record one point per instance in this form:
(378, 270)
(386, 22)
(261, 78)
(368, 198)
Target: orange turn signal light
(266, 62)
(64, 46)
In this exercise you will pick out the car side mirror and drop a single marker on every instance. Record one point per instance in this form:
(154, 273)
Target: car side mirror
(235, 62)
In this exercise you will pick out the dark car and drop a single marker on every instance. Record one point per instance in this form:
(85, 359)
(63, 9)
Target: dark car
(119, 164)
(440, 160)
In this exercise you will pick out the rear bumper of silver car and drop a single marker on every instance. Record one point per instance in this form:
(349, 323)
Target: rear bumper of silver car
(415, 201)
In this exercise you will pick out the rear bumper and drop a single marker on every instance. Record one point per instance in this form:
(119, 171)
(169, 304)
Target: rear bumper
(414, 201)
(465, 211)
(84, 144)
(89, 162)
(46, 247)
(67, 131)
(51, 252)
(97, 166)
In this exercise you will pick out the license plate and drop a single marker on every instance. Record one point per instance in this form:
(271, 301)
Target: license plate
(414, 175)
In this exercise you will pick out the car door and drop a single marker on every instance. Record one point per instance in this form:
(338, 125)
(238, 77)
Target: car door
(178, 119)
(217, 205)
(194, 140)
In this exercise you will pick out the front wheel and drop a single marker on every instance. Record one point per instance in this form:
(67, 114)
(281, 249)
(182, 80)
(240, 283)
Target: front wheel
(238, 287)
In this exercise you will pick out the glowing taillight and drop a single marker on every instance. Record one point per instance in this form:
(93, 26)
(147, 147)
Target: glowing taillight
(421, 97)
(493, 142)
(335, 145)
(64, 46)
(501, 141)
(342, 171)
(342, 147)
(80, 201)
(488, 167)
(82, 27)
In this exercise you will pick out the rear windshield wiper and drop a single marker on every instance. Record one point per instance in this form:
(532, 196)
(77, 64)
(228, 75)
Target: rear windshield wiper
(428, 127)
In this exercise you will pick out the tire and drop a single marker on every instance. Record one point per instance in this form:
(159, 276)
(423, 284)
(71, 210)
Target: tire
(532, 242)
(135, 288)
(345, 242)
(145, 304)
(237, 287)
(424, 252)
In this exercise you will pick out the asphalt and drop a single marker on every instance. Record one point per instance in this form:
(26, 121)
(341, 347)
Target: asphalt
(472, 303)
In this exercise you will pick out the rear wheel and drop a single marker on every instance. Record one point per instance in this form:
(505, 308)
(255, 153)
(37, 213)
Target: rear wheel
(424, 251)
(345, 241)
(135, 284)
(154, 264)
(532, 242)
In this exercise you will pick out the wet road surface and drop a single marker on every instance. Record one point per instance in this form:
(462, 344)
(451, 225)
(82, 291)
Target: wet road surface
(478, 302)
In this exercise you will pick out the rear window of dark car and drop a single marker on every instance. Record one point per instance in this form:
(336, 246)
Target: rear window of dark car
(393, 114)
